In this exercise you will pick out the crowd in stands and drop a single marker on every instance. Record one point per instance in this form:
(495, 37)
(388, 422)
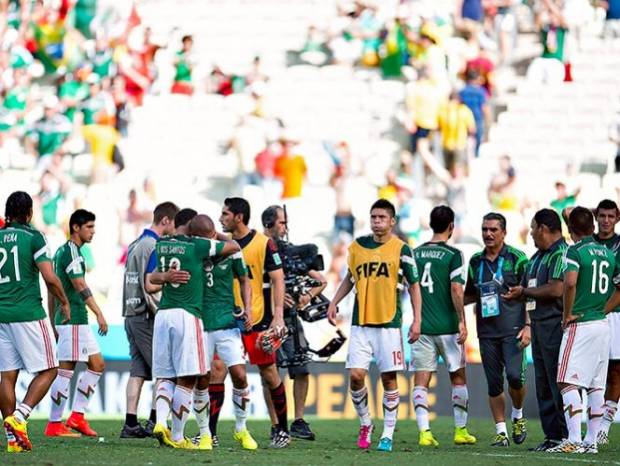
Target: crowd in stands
(72, 73)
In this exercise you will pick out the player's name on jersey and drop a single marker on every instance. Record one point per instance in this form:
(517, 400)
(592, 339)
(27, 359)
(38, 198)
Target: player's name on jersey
(597, 252)
(9, 238)
(430, 254)
(367, 269)
(172, 249)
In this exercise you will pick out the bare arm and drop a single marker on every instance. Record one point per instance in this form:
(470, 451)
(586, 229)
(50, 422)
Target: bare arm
(231, 247)
(277, 287)
(570, 288)
(343, 290)
(458, 299)
(415, 296)
(553, 289)
(305, 299)
(246, 297)
(79, 285)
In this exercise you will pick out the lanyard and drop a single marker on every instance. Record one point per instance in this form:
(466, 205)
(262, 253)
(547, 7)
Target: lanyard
(497, 276)
(538, 262)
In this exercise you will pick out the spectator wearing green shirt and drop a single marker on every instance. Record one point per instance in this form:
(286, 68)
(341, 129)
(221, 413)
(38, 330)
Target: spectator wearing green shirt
(47, 136)
(183, 68)
(563, 198)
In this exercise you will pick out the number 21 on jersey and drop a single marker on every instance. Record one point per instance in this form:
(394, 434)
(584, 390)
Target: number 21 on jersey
(4, 255)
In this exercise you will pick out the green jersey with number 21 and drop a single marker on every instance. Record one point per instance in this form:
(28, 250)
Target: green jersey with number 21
(21, 248)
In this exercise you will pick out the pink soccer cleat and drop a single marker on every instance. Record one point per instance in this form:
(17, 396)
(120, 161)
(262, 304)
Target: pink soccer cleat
(364, 438)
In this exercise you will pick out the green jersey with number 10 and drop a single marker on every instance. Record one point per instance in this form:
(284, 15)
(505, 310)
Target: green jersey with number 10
(187, 253)
(440, 265)
(21, 248)
(597, 273)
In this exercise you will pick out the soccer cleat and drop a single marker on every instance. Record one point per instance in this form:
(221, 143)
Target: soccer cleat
(163, 436)
(385, 444)
(185, 444)
(500, 440)
(602, 438)
(136, 431)
(11, 445)
(463, 437)
(566, 447)
(301, 429)
(426, 439)
(364, 438)
(19, 430)
(205, 443)
(589, 448)
(245, 439)
(78, 422)
(215, 440)
(148, 428)
(58, 429)
(281, 439)
(519, 431)
(274, 431)
(545, 445)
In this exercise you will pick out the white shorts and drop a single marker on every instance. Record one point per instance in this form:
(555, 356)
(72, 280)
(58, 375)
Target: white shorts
(179, 347)
(27, 345)
(228, 346)
(384, 344)
(428, 348)
(584, 354)
(76, 342)
(613, 319)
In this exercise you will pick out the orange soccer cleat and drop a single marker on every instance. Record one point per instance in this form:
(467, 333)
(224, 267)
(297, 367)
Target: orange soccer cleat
(58, 429)
(77, 422)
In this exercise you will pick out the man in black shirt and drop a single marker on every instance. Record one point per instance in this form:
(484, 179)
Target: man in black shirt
(502, 325)
(541, 289)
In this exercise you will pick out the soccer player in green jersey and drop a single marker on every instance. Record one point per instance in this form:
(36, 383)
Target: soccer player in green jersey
(607, 216)
(26, 335)
(443, 331)
(76, 341)
(179, 353)
(223, 334)
(590, 270)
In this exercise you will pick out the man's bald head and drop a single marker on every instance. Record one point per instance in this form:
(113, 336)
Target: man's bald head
(202, 225)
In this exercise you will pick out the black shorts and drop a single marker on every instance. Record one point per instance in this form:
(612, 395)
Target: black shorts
(499, 354)
(287, 350)
(139, 331)
(420, 133)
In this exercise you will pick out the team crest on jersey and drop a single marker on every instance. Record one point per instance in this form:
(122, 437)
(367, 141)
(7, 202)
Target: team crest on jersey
(208, 267)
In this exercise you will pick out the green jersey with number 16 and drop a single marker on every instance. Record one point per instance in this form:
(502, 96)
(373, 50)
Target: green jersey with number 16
(597, 273)
(185, 253)
(21, 248)
(440, 265)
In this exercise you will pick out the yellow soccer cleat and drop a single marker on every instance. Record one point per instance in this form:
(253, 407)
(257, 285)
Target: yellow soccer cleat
(186, 444)
(205, 443)
(19, 431)
(463, 437)
(163, 436)
(13, 447)
(427, 439)
(245, 439)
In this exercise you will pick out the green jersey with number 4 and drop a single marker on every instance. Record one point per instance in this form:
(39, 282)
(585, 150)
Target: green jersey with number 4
(218, 301)
(185, 253)
(69, 265)
(597, 273)
(21, 248)
(440, 265)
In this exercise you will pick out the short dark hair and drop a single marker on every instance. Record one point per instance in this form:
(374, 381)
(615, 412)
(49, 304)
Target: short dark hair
(496, 216)
(385, 205)
(471, 75)
(187, 37)
(238, 205)
(79, 218)
(581, 221)
(270, 215)
(441, 218)
(184, 216)
(18, 207)
(165, 209)
(606, 204)
(548, 218)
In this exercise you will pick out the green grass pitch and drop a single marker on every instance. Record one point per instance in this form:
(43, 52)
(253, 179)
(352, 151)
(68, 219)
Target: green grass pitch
(335, 445)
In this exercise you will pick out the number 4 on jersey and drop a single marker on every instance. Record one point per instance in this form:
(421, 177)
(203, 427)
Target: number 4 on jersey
(427, 279)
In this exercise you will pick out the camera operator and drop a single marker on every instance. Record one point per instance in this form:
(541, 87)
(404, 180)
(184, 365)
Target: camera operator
(275, 223)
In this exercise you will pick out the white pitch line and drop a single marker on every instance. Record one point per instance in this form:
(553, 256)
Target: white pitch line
(547, 457)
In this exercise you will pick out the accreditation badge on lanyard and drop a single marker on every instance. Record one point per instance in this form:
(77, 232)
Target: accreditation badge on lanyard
(489, 291)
